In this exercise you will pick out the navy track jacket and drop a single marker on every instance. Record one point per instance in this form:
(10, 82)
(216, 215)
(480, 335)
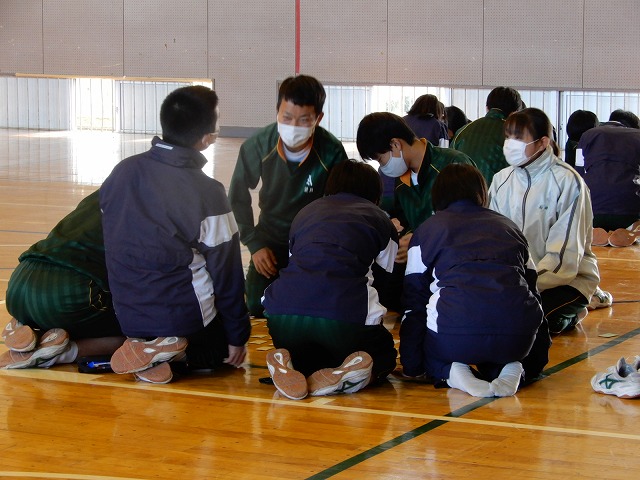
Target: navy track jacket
(172, 246)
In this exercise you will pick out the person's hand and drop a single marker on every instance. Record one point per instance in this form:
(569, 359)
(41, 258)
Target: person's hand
(403, 248)
(265, 262)
(397, 224)
(236, 356)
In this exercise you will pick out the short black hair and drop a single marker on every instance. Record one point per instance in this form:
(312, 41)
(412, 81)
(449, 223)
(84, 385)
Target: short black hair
(506, 99)
(187, 114)
(579, 122)
(302, 90)
(456, 118)
(356, 177)
(628, 119)
(459, 181)
(376, 130)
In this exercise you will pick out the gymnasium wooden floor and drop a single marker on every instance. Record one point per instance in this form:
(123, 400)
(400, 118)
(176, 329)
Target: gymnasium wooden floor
(58, 423)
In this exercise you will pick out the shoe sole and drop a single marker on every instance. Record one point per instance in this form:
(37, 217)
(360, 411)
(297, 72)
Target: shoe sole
(19, 337)
(600, 237)
(346, 378)
(622, 238)
(124, 365)
(158, 374)
(289, 382)
(43, 354)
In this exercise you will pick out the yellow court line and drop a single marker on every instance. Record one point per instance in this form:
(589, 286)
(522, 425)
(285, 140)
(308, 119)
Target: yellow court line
(71, 476)
(318, 403)
(612, 259)
(48, 205)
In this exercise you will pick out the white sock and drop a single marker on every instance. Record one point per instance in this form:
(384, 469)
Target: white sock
(462, 378)
(508, 381)
(68, 356)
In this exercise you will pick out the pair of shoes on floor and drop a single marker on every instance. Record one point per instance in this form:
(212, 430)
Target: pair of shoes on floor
(621, 380)
(600, 299)
(148, 360)
(25, 351)
(354, 374)
(621, 237)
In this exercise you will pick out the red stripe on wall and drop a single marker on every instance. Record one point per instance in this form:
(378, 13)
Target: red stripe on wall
(297, 67)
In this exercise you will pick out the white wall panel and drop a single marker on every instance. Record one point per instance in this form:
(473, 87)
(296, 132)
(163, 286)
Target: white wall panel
(165, 38)
(21, 36)
(35, 103)
(537, 43)
(251, 49)
(344, 41)
(435, 42)
(612, 43)
(83, 38)
(140, 104)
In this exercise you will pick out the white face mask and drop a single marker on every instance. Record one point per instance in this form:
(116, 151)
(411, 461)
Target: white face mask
(513, 150)
(395, 167)
(293, 136)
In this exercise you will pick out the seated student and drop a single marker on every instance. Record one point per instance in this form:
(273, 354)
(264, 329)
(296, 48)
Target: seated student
(455, 120)
(483, 138)
(59, 296)
(550, 203)
(172, 249)
(424, 118)
(414, 163)
(578, 122)
(323, 308)
(463, 262)
(612, 168)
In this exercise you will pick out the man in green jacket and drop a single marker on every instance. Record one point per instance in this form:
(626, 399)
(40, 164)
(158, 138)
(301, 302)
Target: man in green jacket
(482, 139)
(292, 158)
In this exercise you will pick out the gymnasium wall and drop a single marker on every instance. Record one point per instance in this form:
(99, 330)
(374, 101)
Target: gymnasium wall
(247, 47)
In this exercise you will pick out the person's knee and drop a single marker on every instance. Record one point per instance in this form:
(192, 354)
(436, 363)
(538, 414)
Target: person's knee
(559, 323)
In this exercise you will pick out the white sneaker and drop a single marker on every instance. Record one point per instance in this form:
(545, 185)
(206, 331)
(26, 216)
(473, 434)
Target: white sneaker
(621, 380)
(600, 299)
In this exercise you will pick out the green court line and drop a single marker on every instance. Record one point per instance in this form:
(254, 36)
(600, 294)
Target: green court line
(416, 432)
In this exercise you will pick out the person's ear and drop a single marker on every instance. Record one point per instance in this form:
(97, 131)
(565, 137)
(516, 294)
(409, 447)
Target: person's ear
(545, 142)
(319, 118)
(204, 142)
(395, 145)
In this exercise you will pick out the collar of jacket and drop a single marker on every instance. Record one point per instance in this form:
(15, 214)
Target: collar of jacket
(539, 165)
(176, 156)
(495, 113)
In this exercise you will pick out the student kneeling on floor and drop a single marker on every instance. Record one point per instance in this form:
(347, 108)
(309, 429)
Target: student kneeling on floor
(322, 310)
(173, 250)
(470, 294)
